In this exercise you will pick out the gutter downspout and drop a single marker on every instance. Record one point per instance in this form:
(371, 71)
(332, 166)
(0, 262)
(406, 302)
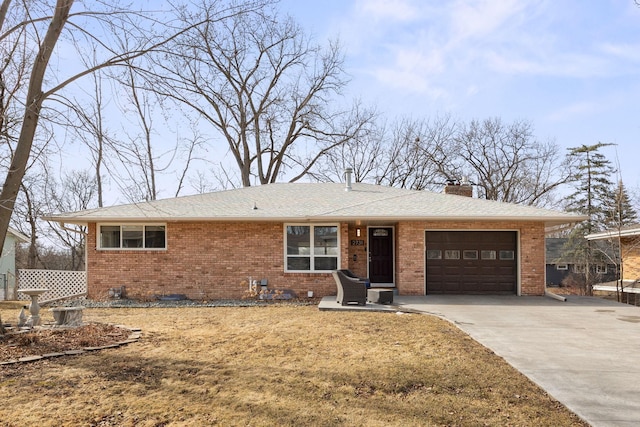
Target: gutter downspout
(555, 296)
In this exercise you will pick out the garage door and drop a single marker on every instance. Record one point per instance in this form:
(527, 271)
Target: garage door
(471, 262)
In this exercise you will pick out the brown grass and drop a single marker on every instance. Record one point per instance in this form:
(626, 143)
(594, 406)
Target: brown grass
(277, 365)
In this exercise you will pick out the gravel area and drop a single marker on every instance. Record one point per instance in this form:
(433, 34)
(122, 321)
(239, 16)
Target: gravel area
(129, 303)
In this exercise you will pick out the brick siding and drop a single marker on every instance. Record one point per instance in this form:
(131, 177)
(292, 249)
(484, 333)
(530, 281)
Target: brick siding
(631, 258)
(211, 260)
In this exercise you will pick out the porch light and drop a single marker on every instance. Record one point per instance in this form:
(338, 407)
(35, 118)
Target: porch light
(357, 232)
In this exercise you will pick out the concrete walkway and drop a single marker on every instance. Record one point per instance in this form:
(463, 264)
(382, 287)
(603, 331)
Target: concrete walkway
(585, 352)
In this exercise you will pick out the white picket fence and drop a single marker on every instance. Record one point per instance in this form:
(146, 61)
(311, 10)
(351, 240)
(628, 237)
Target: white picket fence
(60, 283)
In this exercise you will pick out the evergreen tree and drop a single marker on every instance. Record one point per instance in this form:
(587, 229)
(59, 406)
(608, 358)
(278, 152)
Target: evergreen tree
(593, 188)
(620, 212)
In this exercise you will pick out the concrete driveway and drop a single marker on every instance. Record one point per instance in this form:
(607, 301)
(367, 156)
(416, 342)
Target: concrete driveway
(585, 352)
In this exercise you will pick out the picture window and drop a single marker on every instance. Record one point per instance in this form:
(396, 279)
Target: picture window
(311, 248)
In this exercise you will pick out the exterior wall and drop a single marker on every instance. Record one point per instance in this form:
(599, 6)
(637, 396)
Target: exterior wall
(554, 277)
(8, 268)
(357, 258)
(211, 260)
(203, 261)
(410, 243)
(631, 258)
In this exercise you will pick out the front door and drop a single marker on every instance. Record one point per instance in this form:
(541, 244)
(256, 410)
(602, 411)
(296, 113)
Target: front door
(381, 255)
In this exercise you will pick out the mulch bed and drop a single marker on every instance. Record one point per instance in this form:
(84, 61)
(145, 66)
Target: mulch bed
(40, 341)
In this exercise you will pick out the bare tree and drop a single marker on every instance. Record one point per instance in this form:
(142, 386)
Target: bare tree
(32, 205)
(90, 128)
(263, 84)
(37, 27)
(509, 164)
(137, 153)
(33, 100)
(408, 153)
(188, 152)
(363, 154)
(419, 154)
(76, 191)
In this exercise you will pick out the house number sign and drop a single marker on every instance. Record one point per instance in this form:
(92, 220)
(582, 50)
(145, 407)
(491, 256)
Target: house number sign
(357, 243)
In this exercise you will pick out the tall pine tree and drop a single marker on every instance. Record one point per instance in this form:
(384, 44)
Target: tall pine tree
(593, 188)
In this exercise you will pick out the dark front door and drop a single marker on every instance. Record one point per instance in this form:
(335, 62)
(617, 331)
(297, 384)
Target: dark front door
(471, 262)
(381, 255)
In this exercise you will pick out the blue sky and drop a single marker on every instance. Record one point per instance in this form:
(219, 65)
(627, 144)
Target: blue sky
(570, 67)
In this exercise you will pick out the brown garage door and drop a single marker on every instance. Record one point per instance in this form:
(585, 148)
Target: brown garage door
(471, 262)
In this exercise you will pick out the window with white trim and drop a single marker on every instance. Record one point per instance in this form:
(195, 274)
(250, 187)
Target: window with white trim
(601, 268)
(580, 268)
(132, 236)
(312, 248)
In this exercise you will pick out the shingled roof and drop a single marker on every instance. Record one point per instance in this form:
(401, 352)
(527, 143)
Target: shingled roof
(318, 202)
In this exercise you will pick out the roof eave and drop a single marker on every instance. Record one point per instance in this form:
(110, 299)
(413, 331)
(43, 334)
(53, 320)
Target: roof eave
(548, 221)
(613, 234)
(18, 235)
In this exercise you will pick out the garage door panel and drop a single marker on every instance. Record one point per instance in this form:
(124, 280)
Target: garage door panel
(479, 268)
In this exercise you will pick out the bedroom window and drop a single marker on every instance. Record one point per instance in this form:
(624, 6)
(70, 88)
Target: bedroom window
(311, 248)
(132, 236)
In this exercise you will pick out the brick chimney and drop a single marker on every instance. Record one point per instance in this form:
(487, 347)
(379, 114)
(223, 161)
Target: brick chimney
(459, 188)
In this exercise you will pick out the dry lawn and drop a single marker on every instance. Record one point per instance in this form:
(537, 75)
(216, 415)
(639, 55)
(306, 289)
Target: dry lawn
(277, 365)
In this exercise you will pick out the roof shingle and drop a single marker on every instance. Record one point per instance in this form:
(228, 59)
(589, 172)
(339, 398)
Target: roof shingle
(319, 202)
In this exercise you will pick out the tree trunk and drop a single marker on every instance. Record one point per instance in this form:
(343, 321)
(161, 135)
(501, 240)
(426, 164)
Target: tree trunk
(33, 106)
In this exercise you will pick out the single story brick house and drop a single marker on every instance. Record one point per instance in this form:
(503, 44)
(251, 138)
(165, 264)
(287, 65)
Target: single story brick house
(294, 234)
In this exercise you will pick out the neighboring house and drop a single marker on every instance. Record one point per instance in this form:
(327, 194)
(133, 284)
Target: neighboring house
(629, 240)
(8, 263)
(560, 264)
(207, 246)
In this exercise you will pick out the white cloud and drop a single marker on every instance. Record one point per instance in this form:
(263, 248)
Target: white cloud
(579, 109)
(555, 64)
(394, 10)
(481, 18)
(409, 81)
(454, 50)
(623, 51)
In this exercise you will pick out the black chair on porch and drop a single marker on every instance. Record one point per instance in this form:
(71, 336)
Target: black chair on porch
(350, 289)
